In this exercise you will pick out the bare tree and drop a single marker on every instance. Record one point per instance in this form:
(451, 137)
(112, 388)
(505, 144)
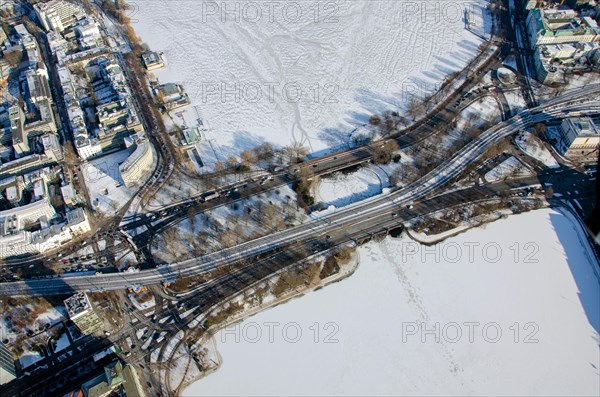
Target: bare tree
(264, 152)
(13, 57)
(295, 152)
(248, 157)
(219, 166)
(383, 152)
(375, 120)
(416, 109)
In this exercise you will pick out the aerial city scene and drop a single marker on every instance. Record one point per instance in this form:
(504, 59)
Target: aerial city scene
(299, 197)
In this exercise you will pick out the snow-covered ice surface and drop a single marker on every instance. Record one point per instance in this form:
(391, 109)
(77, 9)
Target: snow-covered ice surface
(307, 71)
(543, 291)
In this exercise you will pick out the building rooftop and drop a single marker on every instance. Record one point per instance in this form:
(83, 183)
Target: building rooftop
(76, 216)
(585, 126)
(142, 147)
(77, 305)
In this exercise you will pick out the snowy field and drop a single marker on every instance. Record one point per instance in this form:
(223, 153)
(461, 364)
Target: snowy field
(342, 189)
(509, 167)
(517, 315)
(534, 147)
(485, 109)
(304, 71)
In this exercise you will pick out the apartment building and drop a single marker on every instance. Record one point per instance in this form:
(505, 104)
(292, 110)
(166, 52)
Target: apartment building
(57, 15)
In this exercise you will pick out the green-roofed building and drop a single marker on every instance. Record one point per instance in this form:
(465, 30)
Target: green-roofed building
(115, 379)
(560, 26)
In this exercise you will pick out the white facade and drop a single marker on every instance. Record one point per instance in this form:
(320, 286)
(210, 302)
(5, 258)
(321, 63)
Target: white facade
(138, 166)
(14, 240)
(57, 15)
(86, 148)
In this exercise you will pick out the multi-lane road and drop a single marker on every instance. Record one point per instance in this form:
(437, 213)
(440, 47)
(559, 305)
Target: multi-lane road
(571, 104)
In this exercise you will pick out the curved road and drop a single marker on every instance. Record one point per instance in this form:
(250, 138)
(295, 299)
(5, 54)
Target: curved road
(357, 213)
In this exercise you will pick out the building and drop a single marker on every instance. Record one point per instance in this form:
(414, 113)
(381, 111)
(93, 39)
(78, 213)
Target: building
(37, 84)
(82, 313)
(23, 164)
(20, 141)
(115, 380)
(87, 147)
(69, 195)
(52, 148)
(192, 135)
(88, 34)
(172, 95)
(7, 365)
(23, 128)
(551, 60)
(16, 219)
(116, 123)
(139, 165)
(37, 117)
(116, 115)
(15, 223)
(560, 26)
(152, 60)
(11, 187)
(580, 136)
(57, 15)
(27, 40)
(78, 222)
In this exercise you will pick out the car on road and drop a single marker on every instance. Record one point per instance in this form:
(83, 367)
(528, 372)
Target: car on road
(210, 195)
